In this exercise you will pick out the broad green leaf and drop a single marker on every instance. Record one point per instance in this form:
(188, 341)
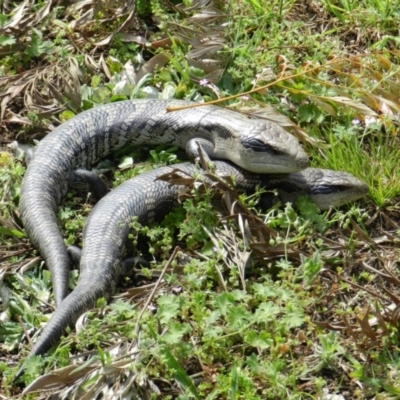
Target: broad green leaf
(7, 40)
(11, 232)
(179, 373)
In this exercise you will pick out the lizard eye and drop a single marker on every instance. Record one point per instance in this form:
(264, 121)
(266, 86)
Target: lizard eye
(328, 189)
(259, 146)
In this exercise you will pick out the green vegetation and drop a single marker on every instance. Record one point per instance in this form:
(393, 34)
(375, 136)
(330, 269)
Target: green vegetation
(286, 303)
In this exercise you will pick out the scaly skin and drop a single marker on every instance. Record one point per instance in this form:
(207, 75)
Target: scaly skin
(149, 199)
(256, 145)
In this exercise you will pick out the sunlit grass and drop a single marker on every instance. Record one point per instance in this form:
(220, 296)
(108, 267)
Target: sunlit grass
(272, 337)
(372, 157)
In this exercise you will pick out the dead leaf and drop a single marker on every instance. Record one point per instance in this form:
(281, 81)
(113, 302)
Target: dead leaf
(325, 106)
(58, 379)
(356, 105)
(366, 328)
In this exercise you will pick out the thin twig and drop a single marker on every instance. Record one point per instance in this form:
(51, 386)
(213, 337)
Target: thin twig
(150, 298)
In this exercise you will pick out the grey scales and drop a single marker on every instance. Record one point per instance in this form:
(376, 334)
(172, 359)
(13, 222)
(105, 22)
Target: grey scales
(257, 145)
(150, 199)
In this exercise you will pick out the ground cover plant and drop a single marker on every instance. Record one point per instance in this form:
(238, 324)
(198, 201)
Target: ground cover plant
(248, 304)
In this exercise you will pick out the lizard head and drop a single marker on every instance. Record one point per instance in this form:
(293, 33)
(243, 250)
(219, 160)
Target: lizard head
(330, 188)
(325, 187)
(268, 148)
